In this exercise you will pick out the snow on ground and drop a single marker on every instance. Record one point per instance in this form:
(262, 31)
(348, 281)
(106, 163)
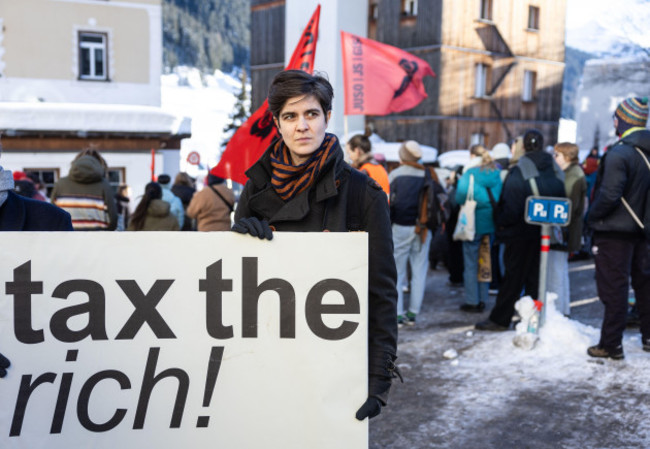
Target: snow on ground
(496, 395)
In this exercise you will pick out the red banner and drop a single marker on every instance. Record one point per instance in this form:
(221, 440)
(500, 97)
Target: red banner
(378, 78)
(253, 137)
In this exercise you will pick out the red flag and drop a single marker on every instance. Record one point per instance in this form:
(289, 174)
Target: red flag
(378, 78)
(253, 137)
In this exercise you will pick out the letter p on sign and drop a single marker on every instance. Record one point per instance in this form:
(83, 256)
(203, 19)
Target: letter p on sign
(539, 210)
(559, 211)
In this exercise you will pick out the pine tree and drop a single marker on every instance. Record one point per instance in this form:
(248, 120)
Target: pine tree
(240, 112)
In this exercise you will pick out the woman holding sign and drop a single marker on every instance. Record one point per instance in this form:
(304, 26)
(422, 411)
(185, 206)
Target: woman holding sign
(302, 183)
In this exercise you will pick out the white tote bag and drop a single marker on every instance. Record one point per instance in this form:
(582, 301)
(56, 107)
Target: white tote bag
(465, 228)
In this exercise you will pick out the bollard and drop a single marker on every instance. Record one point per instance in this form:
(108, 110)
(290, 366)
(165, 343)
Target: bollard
(545, 247)
(546, 212)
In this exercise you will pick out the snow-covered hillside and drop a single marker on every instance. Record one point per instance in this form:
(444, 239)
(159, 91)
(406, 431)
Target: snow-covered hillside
(207, 100)
(609, 28)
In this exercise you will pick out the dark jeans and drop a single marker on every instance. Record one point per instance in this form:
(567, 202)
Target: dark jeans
(521, 259)
(617, 260)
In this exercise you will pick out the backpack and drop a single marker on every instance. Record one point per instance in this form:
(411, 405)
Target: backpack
(434, 204)
(643, 222)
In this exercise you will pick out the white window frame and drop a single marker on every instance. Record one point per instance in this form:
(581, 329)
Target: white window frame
(374, 10)
(92, 48)
(485, 10)
(116, 172)
(480, 80)
(528, 93)
(410, 7)
(533, 17)
(54, 172)
(477, 139)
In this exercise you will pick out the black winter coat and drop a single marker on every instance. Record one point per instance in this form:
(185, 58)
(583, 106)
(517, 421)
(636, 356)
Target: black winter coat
(323, 207)
(18, 213)
(622, 173)
(509, 220)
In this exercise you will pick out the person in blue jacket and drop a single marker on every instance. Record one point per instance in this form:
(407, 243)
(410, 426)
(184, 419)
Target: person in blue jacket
(482, 174)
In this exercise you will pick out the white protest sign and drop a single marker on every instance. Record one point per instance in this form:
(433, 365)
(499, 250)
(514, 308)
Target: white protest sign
(170, 340)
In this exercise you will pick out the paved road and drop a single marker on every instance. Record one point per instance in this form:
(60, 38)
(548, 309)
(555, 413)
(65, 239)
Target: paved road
(507, 407)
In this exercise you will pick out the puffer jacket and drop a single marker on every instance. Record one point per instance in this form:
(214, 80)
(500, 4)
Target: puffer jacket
(406, 183)
(323, 207)
(209, 210)
(87, 196)
(510, 222)
(159, 218)
(622, 173)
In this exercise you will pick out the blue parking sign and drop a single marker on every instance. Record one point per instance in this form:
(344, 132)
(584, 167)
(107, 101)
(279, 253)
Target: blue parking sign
(543, 210)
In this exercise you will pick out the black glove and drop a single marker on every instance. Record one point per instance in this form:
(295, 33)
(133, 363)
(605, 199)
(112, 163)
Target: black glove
(369, 409)
(382, 372)
(4, 364)
(254, 227)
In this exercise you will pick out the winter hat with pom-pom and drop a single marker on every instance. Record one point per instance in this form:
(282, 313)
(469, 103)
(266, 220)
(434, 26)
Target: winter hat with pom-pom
(633, 111)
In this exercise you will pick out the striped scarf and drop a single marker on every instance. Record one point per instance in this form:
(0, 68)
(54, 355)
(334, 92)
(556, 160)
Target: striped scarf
(289, 180)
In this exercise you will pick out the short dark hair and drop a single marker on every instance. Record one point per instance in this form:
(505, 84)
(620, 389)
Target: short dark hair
(360, 141)
(164, 179)
(215, 180)
(294, 83)
(533, 140)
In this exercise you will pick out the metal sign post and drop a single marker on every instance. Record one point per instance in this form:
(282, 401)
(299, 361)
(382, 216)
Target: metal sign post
(547, 212)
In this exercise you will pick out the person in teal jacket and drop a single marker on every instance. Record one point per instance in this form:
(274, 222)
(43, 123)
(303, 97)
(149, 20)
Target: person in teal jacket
(485, 176)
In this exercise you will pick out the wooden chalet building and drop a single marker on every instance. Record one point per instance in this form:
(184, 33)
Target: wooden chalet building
(499, 65)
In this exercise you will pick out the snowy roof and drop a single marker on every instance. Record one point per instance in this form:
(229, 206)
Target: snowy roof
(453, 158)
(390, 150)
(82, 117)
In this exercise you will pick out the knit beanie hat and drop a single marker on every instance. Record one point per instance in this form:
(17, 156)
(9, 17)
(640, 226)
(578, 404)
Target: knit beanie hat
(633, 111)
(410, 151)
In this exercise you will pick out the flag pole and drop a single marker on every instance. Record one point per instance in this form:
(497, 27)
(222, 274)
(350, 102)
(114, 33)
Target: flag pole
(345, 128)
(153, 164)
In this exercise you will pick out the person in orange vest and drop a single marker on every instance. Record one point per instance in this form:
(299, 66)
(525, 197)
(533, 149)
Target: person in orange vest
(359, 152)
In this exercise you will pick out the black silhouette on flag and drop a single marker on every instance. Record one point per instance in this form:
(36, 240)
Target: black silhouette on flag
(411, 68)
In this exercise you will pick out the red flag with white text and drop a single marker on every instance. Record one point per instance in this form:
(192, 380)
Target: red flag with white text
(378, 78)
(256, 134)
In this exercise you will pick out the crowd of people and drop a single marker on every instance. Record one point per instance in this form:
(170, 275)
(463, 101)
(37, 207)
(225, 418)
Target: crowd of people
(303, 183)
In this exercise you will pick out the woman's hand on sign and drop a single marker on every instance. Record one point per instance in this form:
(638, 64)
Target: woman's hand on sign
(254, 227)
